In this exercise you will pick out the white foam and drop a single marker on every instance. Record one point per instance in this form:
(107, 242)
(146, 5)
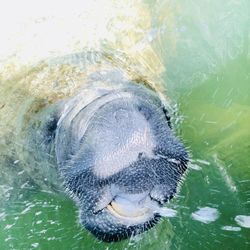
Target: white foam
(227, 178)
(203, 162)
(2, 215)
(194, 166)
(231, 228)
(206, 215)
(167, 212)
(8, 226)
(243, 220)
(163, 211)
(35, 245)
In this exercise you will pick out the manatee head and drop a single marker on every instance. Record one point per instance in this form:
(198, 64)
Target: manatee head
(120, 160)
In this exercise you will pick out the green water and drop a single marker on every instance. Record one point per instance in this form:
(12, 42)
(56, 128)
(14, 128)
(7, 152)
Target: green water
(208, 77)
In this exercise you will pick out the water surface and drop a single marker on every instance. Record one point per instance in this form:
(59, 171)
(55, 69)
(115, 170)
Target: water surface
(200, 51)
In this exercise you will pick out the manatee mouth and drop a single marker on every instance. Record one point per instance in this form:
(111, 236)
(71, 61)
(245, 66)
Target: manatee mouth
(132, 209)
(117, 216)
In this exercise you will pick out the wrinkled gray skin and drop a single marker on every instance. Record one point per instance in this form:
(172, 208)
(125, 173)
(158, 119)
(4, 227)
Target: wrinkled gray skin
(115, 148)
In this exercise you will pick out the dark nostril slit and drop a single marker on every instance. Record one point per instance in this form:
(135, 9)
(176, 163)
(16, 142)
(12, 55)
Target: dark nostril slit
(140, 155)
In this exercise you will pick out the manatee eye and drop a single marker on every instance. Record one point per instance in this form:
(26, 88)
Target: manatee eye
(50, 129)
(147, 113)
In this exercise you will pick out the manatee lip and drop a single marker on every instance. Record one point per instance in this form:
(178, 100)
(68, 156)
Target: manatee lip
(133, 208)
(116, 210)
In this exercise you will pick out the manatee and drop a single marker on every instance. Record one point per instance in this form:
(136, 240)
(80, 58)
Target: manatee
(107, 142)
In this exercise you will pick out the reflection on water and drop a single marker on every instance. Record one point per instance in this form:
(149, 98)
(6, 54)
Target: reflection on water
(200, 51)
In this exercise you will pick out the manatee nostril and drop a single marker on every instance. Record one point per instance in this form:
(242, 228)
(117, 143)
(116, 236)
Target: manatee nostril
(141, 155)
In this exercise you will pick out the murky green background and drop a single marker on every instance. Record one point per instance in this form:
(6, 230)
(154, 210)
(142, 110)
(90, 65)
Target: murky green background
(208, 78)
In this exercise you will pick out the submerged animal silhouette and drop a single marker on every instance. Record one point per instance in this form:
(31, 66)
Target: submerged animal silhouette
(110, 142)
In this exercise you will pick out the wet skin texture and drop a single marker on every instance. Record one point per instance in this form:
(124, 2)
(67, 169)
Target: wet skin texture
(119, 159)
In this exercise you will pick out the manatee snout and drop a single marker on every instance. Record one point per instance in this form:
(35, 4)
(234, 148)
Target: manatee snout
(119, 160)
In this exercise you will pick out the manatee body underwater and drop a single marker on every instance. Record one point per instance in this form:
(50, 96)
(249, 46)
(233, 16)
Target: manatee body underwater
(111, 145)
